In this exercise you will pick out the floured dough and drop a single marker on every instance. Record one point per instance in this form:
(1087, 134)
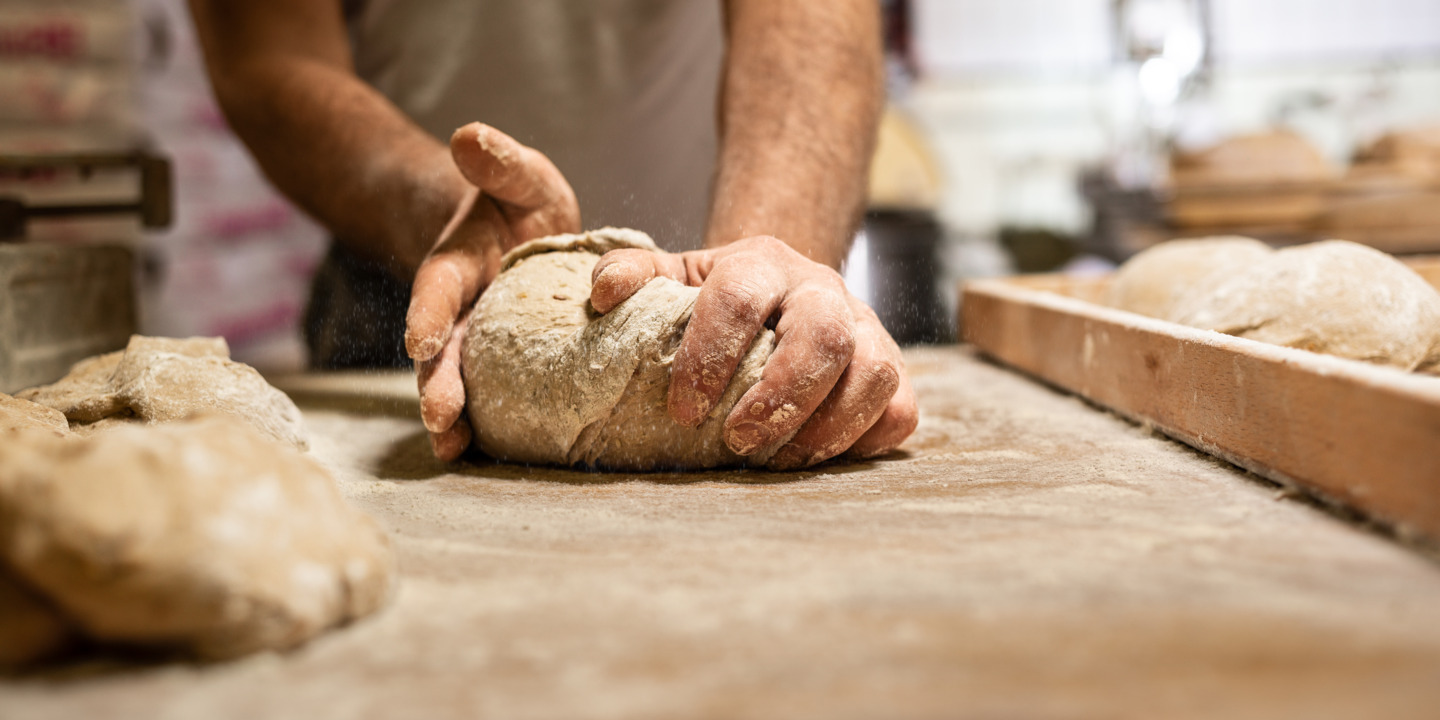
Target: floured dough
(17, 413)
(202, 535)
(1154, 281)
(1333, 297)
(166, 379)
(548, 380)
(30, 630)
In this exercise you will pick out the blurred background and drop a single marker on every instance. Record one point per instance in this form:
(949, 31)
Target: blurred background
(1023, 136)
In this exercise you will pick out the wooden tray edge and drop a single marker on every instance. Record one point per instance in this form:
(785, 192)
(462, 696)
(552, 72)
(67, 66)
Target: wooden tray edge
(1363, 436)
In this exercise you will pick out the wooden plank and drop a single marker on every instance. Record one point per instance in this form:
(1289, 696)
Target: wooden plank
(1364, 436)
(60, 305)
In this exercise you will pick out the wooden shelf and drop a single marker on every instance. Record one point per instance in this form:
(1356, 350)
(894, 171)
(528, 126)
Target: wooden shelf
(1360, 435)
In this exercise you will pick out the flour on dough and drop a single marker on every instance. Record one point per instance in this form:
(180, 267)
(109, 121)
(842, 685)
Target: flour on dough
(17, 413)
(30, 630)
(166, 379)
(1156, 280)
(548, 380)
(201, 535)
(1333, 297)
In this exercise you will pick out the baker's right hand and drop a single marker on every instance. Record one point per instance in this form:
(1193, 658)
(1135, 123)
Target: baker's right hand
(517, 195)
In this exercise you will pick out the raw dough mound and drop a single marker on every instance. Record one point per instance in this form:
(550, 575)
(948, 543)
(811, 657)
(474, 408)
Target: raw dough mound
(30, 630)
(166, 379)
(16, 413)
(202, 535)
(548, 380)
(1333, 297)
(1155, 281)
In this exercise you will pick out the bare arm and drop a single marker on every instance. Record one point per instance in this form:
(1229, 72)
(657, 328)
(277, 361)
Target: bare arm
(800, 101)
(440, 214)
(283, 74)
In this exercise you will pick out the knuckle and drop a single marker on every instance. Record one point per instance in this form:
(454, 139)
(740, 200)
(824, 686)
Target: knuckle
(904, 417)
(737, 302)
(832, 336)
(772, 244)
(882, 377)
(830, 275)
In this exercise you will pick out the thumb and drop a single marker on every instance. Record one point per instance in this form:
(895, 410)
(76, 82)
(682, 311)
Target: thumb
(621, 273)
(521, 180)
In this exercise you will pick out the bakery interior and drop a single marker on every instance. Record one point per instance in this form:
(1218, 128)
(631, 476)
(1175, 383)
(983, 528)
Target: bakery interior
(1106, 509)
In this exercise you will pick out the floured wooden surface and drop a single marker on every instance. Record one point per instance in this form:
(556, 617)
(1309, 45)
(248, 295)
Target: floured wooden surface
(1031, 557)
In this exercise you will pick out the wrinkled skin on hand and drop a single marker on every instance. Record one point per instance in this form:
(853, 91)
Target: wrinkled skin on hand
(836, 374)
(518, 195)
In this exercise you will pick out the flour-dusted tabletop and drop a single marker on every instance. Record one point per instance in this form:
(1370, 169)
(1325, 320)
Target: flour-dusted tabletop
(1026, 556)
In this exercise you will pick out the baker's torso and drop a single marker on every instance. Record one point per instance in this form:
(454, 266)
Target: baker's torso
(619, 94)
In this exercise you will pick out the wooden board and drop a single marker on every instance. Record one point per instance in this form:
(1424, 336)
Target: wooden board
(1363, 436)
(60, 305)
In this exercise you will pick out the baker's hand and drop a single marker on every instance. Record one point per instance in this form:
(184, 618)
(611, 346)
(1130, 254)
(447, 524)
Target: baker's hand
(517, 195)
(835, 373)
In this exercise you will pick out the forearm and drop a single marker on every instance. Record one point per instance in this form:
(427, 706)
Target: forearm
(344, 155)
(800, 100)
(333, 144)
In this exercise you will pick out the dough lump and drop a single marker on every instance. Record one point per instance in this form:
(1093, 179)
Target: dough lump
(1333, 297)
(30, 630)
(165, 379)
(1155, 281)
(201, 535)
(550, 381)
(17, 413)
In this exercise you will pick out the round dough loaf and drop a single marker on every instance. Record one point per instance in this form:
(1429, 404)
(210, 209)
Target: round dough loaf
(1155, 281)
(1333, 297)
(548, 380)
(201, 535)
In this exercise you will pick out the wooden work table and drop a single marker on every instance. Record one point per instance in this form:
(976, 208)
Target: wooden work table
(1028, 556)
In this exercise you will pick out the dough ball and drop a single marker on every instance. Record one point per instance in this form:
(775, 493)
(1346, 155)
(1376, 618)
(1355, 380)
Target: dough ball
(16, 413)
(30, 630)
(1333, 297)
(202, 535)
(1154, 281)
(550, 381)
(1264, 158)
(166, 379)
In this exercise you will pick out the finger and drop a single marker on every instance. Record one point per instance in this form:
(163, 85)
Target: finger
(451, 277)
(442, 389)
(528, 187)
(452, 442)
(620, 273)
(816, 342)
(895, 424)
(734, 302)
(857, 401)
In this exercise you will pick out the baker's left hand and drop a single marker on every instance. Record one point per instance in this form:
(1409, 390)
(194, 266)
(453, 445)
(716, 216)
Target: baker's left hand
(836, 374)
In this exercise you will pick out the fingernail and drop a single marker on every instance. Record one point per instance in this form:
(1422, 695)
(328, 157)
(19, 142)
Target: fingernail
(425, 348)
(746, 438)
(608, 271)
